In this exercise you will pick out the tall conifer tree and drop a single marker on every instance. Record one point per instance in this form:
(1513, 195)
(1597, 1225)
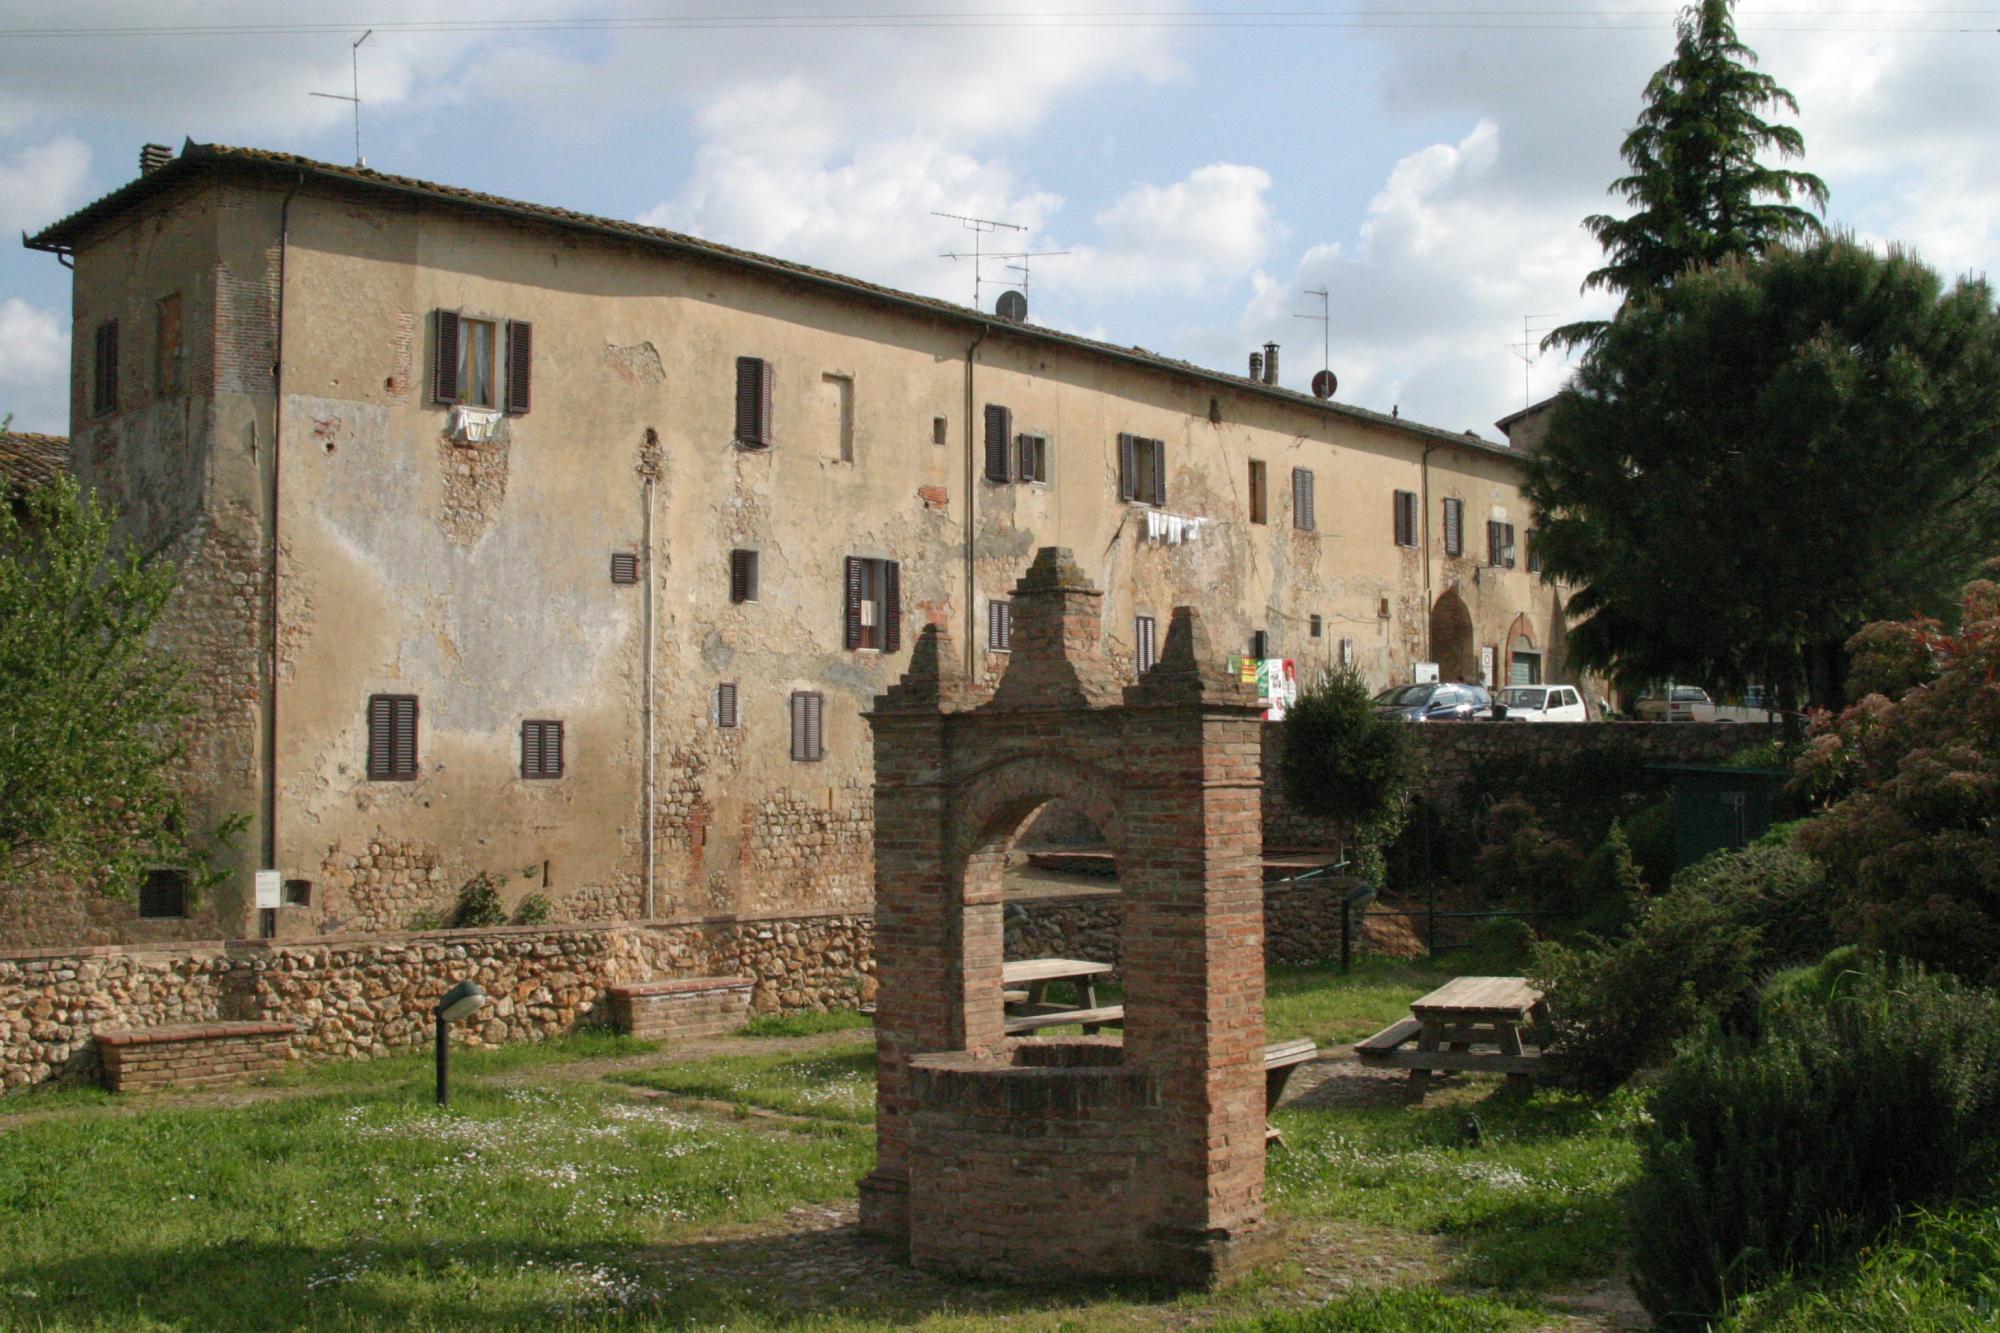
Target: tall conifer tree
(1698, 190)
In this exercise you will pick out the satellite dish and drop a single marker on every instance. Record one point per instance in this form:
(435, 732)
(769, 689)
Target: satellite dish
(1324, 383)
(1012, 307)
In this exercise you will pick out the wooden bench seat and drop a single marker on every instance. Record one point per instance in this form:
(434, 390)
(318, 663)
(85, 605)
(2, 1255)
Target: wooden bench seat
(1397, 1034)
(1106, 1016)
(1280, 1059)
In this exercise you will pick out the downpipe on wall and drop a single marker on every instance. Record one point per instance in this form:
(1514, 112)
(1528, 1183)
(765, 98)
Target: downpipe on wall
(971, 490)
(649, 470)
(271, 609)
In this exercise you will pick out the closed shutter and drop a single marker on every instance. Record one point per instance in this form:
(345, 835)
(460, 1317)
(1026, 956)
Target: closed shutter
(541, 749)
(725, 704)
(624, 567)
(1000, 627)
(851, 614)
(999, 434)
(1454, 527)
(753, 402)
(531, 749)
(520, 353)
(1302, 499)
(742, 576)
(1128, 468)
(892, 606)
(405, 761)
(392, 737)
(444, 375)
(1159, 472)
(1144, 644)
(807, 736)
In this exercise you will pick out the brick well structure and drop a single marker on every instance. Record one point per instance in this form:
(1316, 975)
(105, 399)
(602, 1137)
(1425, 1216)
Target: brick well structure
(1051, 1157)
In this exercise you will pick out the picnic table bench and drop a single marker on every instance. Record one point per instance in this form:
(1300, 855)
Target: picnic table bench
(1029, 1009)
(1469, 1025)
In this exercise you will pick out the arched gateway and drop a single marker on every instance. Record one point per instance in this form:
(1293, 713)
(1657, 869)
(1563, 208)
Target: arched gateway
(1083, 1156)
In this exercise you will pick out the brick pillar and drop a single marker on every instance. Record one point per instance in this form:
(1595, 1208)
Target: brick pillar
(921, 995)
(1194, 950)
(1058, 652)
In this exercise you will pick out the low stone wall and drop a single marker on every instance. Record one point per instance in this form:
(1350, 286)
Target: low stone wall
(202, 1055)
(693, 1007)
(1301, 925)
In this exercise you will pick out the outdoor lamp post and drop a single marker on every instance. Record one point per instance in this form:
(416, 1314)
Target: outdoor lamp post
(460, 1002)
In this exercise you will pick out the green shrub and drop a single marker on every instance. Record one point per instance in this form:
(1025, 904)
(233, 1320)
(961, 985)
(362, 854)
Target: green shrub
(1769, 1157)
(534, 910)
(1609, 887)
(1693, 954)
(1936, 1272)
(1521, 861)
(478, 904)
(1341, 761)
(428, 919)
(1812, 983)
(1499, 945)
(1651, 833)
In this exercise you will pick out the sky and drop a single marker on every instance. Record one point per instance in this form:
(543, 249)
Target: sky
(1200, 166)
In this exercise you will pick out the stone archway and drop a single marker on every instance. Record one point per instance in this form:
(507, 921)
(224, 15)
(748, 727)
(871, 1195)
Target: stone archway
(1454, 646)
(1084, 1157)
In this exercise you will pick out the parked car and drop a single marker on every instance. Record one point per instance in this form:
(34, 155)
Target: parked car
(1540, 703)
(1434, 702)
(1677, 703)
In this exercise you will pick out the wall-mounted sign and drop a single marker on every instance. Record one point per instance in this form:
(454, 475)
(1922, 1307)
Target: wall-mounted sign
(270, 888)
(1427, 673)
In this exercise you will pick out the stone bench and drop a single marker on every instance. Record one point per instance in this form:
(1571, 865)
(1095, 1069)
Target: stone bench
(685, 1007)
(193, 1055)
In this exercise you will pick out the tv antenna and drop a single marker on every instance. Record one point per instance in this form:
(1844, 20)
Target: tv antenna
(980, 229)
(1528, 351)
(354, 64)
(1325, 321)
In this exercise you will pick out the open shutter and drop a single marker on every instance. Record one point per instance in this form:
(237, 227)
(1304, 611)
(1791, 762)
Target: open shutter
(815, 738)
(798, 727)
(892, 606)
(753, 402)
(406, 737)
(1128, 468)
(444, 375)
(852, 606)
(1509, 535)
(520, 353)
(1159, 471)
(999, 435)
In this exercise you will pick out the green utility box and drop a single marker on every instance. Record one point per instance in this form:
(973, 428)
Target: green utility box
(1718, 809)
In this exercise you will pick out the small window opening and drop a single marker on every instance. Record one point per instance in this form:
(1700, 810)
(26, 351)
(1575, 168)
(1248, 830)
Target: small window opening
(164, 893)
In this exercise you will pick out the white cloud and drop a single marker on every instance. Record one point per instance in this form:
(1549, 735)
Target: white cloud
(42, 182)
(34, 371)
(1214, 226)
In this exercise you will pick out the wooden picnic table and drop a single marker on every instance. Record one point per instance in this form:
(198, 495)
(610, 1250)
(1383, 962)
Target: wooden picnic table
(1471, 1024)
(1030, 978)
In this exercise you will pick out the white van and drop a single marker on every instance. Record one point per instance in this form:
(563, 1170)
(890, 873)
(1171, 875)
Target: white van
(1540, 703)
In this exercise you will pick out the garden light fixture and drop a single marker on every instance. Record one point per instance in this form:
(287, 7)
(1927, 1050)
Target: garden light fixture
(460, 1002)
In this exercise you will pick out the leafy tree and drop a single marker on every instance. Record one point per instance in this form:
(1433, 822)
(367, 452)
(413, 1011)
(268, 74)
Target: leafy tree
(1341, 761)
(1766, 455)
(1698, 191)
(1911, 839)
(91, 711)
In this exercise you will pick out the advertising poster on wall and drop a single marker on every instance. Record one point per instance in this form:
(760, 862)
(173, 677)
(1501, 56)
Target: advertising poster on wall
(1276, 679)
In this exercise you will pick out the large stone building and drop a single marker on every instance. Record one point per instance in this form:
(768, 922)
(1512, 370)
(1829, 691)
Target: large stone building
(568, 551)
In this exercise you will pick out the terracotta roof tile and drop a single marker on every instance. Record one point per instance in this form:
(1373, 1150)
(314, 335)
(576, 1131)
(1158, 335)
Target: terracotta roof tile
(195, 157)
(33, 460)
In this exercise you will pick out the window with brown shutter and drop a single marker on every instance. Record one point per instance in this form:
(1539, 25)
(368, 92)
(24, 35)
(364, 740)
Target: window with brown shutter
(1142, 470)
(1454, 527)
(1534, 554)
(1031, 453)
(624, 567)
(999, 436)
(725, 704)
(520, 356)
(1128, 467)
(872, 614)
(742, 576)
(808, 738)
(940, 427)
(1145, 643)
(753, 402)
(1406, 518)
(1315, 626)
(1000, 627)
(1258, 500)
(541, 749)
(392, 737)
(164, 893)
(1260, 644)
(1302, 499)
(104, 384)
(1500, 544)
(444, 364)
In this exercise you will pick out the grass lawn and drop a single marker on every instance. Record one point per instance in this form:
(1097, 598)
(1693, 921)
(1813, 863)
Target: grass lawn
(597, 1181)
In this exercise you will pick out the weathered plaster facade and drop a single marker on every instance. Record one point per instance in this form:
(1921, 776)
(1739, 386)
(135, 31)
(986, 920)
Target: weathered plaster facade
(337, 542)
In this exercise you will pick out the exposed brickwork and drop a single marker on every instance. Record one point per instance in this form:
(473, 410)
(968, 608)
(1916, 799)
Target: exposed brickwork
(246, 328)
(209, 1055)
(1141, 1159)
(692, 1007)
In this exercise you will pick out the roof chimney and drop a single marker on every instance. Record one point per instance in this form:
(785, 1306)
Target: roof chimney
(154, 156)
(1270, 363)
(1256, 366)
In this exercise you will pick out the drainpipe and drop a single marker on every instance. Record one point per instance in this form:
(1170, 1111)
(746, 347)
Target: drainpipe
(971, 490)
(271, 571)
(649, 470)
(1424, 531)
